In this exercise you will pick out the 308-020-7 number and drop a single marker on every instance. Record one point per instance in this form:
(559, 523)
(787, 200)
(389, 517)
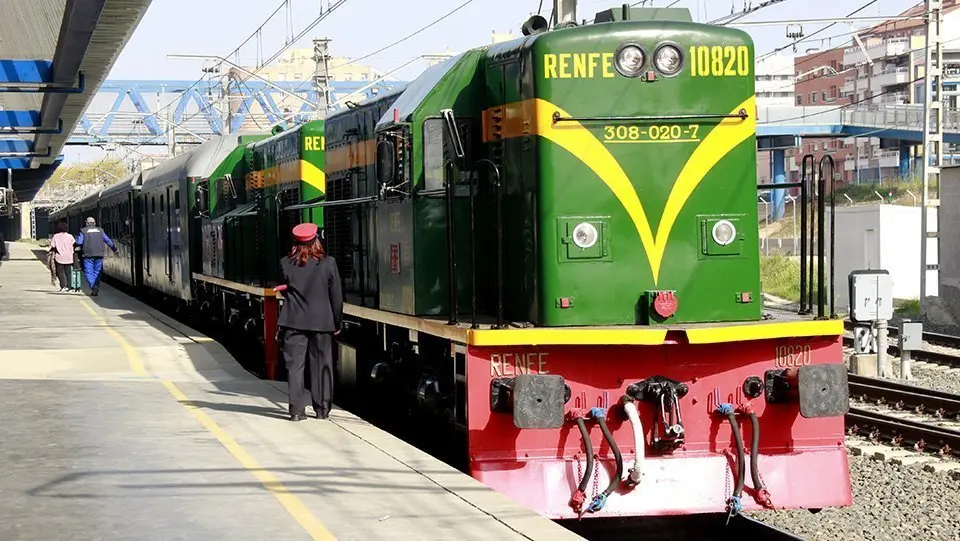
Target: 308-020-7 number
(719, 61)
(651, 133)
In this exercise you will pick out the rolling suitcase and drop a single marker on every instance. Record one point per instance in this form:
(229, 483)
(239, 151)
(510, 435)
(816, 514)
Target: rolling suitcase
(76, 280)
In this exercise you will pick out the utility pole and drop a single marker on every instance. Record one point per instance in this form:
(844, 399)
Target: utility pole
(932, 143)
(321, 76)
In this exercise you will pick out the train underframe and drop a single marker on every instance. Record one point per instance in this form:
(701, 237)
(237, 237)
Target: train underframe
(515, 415)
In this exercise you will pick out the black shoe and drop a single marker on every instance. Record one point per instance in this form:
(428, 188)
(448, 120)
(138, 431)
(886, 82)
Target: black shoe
(298, 417)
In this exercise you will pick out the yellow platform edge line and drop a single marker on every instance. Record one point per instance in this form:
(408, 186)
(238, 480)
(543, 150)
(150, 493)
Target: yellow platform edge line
(288, 500)
(133, 357)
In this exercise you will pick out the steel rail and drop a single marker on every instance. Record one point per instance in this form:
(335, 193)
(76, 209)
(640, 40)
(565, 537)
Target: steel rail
(945, 340)
(923, 437)
(934, 357)
(903, 396)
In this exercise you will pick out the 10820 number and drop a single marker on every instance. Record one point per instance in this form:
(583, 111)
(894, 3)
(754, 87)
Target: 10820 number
(719, 61)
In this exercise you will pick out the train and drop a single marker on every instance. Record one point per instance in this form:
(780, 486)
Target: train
(548, 248)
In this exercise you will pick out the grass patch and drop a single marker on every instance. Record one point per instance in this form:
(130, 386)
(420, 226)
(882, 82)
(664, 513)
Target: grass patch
(907, 308)
(780, 277)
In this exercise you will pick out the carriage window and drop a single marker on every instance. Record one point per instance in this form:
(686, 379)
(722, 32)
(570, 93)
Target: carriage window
(433, 153)
(176, 200)
(162, 208)
(153, 205)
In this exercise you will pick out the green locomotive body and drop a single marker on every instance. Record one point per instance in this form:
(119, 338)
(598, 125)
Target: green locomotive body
(620, 193)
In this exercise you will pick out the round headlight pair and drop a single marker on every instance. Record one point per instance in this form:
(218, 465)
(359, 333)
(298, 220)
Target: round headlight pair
(630, 59)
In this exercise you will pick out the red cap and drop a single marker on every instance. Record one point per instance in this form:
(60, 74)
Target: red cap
(305, 232)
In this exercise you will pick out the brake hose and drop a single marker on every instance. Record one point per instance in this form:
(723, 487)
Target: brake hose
(576, 502)
(762, 494)
(733, 503)
(600, 500)
(635, 472)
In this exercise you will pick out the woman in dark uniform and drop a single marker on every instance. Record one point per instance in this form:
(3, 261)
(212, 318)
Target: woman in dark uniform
(310, 318)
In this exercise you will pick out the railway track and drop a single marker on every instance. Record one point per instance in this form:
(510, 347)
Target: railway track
(923, 419)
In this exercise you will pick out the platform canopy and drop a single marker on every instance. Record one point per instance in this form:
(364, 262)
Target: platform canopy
(54, 54)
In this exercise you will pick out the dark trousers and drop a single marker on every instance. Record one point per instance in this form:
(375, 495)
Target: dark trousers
(308, 351)
(63, 274)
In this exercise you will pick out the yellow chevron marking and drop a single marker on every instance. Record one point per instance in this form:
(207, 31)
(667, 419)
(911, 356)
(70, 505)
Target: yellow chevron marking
(293, 171)
(581, 143)
(313, 175)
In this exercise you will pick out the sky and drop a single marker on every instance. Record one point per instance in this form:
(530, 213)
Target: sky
(359, 27)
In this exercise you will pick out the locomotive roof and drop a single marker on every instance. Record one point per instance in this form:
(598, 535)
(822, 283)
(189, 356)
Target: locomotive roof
(390, 94)
(199, 162)
(418, 89)
(130, 183)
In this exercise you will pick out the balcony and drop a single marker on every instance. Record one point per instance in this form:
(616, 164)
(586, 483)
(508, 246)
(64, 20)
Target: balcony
(877, 49)
(848, 85)
(897, 98)
(868, 160)
(891, 77)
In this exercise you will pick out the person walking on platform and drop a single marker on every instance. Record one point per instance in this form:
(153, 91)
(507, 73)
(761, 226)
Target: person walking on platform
(94, 241)
(62, 245)
(310, 318)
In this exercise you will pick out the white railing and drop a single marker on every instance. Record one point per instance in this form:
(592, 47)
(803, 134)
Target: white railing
(891, 76)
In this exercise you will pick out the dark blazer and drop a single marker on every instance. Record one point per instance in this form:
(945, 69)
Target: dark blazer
(313, 300)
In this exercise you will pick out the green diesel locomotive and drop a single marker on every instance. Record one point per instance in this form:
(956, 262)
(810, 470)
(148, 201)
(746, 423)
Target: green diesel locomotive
(549, 245)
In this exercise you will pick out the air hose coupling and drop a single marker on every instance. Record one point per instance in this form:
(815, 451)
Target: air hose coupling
(726, 409)
(598, 502)
(734, 506)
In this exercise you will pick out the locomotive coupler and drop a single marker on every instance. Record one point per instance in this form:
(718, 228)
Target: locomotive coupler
(665, 394)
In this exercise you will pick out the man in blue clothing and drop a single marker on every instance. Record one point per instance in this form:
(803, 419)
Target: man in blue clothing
(94, 242)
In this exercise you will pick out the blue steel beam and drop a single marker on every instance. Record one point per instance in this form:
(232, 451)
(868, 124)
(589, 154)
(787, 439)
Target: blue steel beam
(198, 93)
(80, 20)
(32, 72)
(17, 122)
(19, 148)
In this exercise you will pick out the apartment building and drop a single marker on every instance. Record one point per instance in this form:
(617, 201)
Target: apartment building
(819, 79)
(884, 71)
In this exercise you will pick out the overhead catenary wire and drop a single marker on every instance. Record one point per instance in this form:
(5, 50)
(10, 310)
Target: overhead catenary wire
(794, 42)
(892, 90)
(410, 35)
(748, 11)
(323, 14)
(401, 40)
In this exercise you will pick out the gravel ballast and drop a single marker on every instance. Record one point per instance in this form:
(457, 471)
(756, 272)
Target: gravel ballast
(890, 502)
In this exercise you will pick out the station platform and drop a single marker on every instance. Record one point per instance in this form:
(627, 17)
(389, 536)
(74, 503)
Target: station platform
(121, 423)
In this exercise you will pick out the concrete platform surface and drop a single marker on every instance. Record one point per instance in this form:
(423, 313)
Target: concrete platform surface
(120, 423)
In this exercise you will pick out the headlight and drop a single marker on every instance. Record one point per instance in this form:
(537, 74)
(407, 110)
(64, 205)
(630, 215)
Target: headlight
(585, 235)
(724, 232)
(668, 59)
(630, 60)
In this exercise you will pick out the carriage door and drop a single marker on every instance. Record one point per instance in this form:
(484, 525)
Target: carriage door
(176, 255)
(167, 210)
